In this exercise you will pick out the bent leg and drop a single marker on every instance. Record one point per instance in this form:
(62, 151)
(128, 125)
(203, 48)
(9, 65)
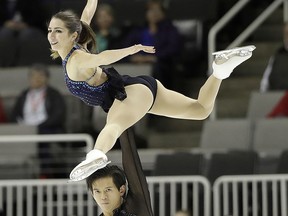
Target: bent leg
(175, 105)
(172, 104)
(124, 114)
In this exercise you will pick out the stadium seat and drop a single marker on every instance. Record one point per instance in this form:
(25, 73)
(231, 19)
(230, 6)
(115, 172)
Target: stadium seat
(180, 163)
(226, 134)
(260, 104)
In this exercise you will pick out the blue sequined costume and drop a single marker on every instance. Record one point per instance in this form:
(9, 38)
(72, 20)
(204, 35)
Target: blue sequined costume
(103, 95)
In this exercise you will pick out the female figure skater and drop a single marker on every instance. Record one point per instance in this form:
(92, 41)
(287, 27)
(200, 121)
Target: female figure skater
(126, 99)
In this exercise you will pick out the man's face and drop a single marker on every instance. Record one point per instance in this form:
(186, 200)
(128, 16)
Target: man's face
(106, 194)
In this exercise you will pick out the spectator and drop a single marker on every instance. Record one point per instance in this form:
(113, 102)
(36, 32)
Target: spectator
(107, 34)
(275, 76)
(281, 108)
(163, 35)
(20, 15)
(42, 106)
(21, 20)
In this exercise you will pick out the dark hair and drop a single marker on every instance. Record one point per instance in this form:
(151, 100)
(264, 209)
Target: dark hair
(86, 36)
(117, 174)
(40, 68)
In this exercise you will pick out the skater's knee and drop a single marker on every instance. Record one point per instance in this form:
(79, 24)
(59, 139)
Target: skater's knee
(205, 112)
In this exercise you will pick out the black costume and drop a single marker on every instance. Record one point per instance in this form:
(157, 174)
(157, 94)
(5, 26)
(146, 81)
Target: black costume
(103, 95)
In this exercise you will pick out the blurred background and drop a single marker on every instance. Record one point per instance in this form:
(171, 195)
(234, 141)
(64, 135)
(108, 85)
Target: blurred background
(250, 116)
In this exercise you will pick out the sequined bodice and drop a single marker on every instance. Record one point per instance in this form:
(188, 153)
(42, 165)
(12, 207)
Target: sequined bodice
(91, 95)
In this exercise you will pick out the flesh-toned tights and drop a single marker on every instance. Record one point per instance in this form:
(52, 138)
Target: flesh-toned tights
(124, 114)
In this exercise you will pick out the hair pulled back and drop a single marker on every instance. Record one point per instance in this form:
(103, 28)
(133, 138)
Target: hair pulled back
(86, 36)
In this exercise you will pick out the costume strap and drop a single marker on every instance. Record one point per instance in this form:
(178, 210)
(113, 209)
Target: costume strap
(75, 47)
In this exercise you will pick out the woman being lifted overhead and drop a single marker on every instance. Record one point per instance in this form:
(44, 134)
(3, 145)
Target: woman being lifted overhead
(125, 99)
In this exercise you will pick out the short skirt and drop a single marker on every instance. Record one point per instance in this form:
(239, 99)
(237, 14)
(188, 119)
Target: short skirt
(117, 85)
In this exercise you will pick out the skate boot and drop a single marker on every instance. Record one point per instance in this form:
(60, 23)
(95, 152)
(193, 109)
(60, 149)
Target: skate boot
(227, 60)
(95, 159)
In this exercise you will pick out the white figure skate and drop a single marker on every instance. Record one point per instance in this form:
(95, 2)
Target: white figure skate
(95, 160)
(227, 60)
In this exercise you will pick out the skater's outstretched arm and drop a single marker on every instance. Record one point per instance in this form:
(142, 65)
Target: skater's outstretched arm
(87, 60)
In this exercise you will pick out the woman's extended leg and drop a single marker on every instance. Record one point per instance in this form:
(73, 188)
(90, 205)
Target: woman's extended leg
(175, 105)
(172, 104)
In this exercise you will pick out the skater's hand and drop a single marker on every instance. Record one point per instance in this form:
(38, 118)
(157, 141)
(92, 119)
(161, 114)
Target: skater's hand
(139, 47)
